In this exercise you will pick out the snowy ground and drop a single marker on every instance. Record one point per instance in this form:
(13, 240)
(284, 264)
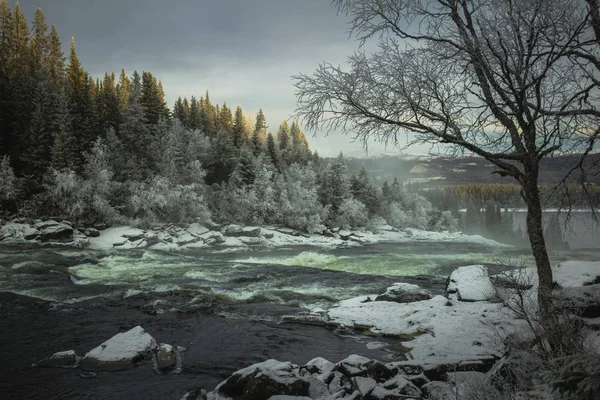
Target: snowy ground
(446, 330)
(169, 237)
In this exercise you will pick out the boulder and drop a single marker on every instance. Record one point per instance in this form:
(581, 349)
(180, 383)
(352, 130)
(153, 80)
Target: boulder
(438, 391)
(345, 235)
(151, 238)
(470, 283)
(214, 238)
(100, 226)
(238, 231)
(60, 232)
(120, 352)
(135, 236)
(40, 225)
(62, 359)
(197, 230)
(403, 293)
(401, 385)
(166, 357)
(91, 232)
(584, 300)
(263, 380)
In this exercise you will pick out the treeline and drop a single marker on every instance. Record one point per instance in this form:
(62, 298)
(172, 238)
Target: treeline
(110, 151)
(486, 209)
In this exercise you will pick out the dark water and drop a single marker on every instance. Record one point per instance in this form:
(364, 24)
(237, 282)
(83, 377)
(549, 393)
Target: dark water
(223, 306)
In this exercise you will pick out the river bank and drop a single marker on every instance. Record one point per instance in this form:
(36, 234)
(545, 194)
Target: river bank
(171, 237)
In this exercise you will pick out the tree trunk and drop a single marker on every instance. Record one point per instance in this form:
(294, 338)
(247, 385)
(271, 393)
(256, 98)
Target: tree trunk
(535, 231)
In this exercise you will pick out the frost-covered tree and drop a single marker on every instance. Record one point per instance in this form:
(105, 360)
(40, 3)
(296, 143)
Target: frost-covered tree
(512, 82)
(8, 187)
(334, 185)
(351, 214)
(298, 200)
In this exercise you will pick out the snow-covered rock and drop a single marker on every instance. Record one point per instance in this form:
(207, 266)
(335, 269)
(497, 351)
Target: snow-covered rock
(471, 283)
(403, 293)
(122, 351)
(263, 380)
(438, 391)
(62, 359)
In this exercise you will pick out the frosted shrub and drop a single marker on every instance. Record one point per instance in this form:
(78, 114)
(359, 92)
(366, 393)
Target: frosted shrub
(161, 201)
(298, 200)
(443, 220)
(66, 194)
(375, 223)
(8, 188)
(352, 213)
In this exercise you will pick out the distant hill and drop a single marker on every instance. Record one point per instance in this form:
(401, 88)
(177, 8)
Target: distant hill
(444, 171)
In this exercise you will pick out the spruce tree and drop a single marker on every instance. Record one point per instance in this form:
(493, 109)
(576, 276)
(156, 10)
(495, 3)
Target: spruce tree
(123, 89)
(283, 136)
(194, 120)
(56, 58)
(134, 132)
(239, 128)
(208, 116)
(151, 99)
(180, 112)
(225, 120)
(108, 107)
(65, 151)
(272, 151)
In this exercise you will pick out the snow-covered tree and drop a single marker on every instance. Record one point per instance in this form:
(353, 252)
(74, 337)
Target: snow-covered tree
(8, 188)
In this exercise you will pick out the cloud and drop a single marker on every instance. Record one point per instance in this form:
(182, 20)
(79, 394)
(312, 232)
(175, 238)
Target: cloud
(243, 52)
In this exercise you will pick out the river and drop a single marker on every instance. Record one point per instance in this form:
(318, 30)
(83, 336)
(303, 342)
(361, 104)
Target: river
(222, 304)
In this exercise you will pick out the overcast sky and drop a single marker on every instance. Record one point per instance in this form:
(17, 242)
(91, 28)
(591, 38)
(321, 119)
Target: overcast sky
(241, 51)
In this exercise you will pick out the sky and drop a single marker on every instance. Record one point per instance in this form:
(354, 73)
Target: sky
(243, 52)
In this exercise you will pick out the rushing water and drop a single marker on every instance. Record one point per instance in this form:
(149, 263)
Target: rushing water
(222, 304)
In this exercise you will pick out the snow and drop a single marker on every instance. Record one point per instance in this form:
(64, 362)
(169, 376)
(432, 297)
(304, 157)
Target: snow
(441, 333)
(125, 346)
(115, 235)
(471, 283)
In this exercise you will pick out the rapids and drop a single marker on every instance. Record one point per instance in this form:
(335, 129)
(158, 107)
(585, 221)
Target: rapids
(224, 305)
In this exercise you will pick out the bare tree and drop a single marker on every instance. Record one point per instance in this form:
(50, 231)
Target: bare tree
(511, 81)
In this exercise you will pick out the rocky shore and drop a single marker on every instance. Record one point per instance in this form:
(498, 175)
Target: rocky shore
(172, 237)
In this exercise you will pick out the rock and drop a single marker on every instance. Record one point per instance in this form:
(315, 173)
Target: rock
(438, 391)
(91, 232)
(320, 368)
(345, 235)
(418, 380)
(584, 300)
(197, 230)
(62, 359)
(471, 283)
(402, 386)
(60, 232)
(380, 372)
(263, 380)
(186, 238)
(214, 238)
(100, 226)
(122, 351)
(264, 386)
(364, 385)
(238, 231)
(165, 357)
(268, 235)
(151, 238)
(403, 293)
(31, 234)
(135, 236)
(353, 365)
(212, 226)
(40, 225)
